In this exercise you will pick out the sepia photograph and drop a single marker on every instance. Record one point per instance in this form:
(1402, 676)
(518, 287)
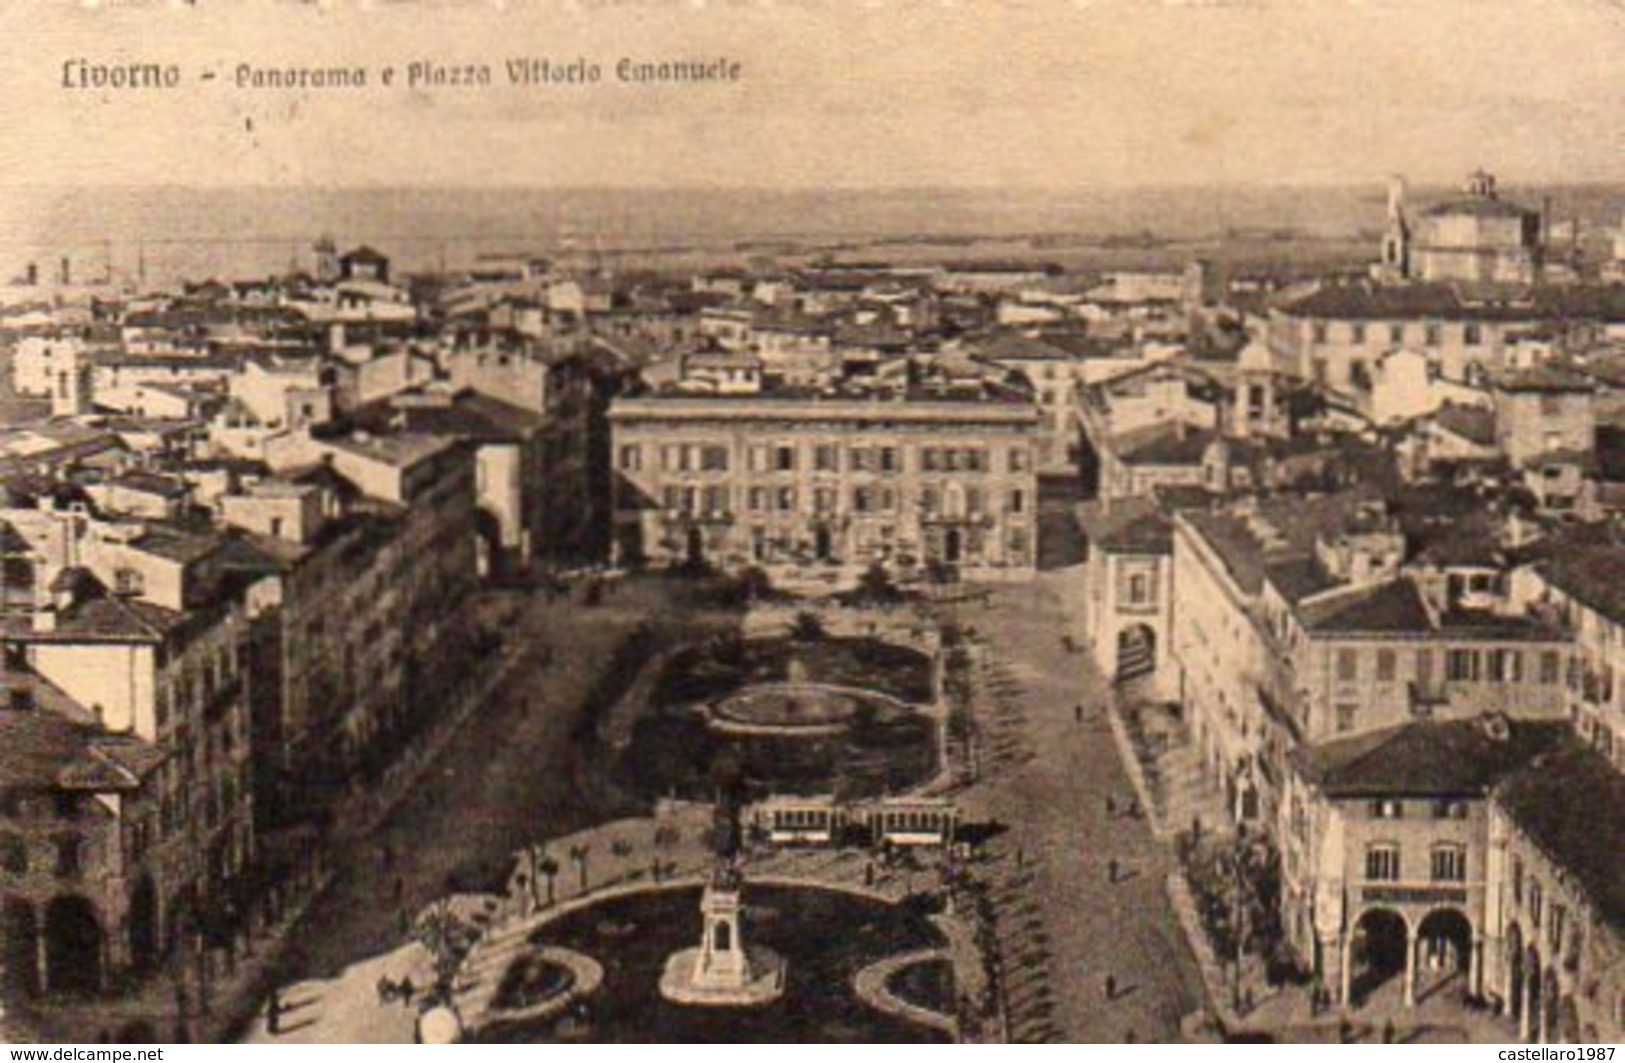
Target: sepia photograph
(812, 521)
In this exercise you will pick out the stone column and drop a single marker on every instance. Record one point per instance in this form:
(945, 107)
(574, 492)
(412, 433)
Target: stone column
(1412, 946)
(1526, 1026)
(1475, 967)
(1345, 976)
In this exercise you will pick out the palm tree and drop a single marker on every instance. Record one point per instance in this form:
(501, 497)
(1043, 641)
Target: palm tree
(548, 868)
(578, 856)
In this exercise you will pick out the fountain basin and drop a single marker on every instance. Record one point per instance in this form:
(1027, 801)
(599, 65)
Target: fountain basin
(682, 981)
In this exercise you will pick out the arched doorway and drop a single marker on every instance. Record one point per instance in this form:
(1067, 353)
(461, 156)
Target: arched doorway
(19, 930)
(1533, 995)
(1549, 1001)
(1136, 652)
(953, 546)
(73, 946)
(1446, 950)
(144, 924)
(1377, 952)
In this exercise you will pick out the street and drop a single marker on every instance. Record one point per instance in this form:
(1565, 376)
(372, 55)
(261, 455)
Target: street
(1065, 926)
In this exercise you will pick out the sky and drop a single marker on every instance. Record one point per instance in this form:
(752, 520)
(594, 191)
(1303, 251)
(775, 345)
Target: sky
(974, 93)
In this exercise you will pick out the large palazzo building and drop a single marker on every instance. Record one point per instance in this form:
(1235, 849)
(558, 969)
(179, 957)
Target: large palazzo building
(913, 475)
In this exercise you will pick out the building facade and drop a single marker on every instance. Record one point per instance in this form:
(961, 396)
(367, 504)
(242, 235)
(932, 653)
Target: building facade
(789, 478)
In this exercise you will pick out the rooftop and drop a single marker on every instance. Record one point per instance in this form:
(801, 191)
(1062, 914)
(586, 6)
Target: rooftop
(1591, 574)
(1555, 802)
(57, 744)
(1392, 607)
(1447, 302)
(1453, 758)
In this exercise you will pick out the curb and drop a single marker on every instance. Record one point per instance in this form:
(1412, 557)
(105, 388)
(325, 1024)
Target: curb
(1136, 771)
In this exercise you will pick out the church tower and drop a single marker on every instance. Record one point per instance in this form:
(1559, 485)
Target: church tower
(1396, 240)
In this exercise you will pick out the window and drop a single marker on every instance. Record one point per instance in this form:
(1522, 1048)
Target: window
(975, 503)
(1387, 665)
(714, 459)
(1319, 332)
(1396, 333)
(1448, 863)
(1517, 881)
(1387, 808)
(784, 458)
(1472, 335)
(1018, 501)
(1019, 460)
(1433, 335)
(888, 459)
(929, 502)
(631, 457)
(1535, 910)
(1139, 589)
(825, 457)
(1551, 666)
(860, 459)
(1348, 665)
(787, 499)
(716, 499)
(862, 499)
(1347, 714)
(1505, 666)
(929, 459)
(1447, 809)
(1554, 925)
(756, 500)
(127, 581)
(68, 855)
(1382, 863)
(1357, 332)
(1462, 666)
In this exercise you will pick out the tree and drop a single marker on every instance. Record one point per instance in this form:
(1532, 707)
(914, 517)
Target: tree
(578, 856)
(547, 869)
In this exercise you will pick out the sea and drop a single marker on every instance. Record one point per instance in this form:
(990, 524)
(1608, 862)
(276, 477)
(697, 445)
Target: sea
(158, 234)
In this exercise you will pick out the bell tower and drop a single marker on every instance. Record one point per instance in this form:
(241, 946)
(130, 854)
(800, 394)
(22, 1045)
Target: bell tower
(1396, 239)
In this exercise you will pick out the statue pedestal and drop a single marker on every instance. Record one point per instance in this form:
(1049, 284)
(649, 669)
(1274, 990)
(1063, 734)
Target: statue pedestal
(723, 970)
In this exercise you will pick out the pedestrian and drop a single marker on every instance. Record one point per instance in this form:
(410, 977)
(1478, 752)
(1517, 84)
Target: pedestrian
(1130, 1037)
(1111, 805)
(405, 921)
(869, 873)
(1111, 870)
(1388, 1031)
(273, 1013)
(1345, 1030)
(1111, 987)
(400, 890)
(1077, 712)
(408, 990)
(1021, 856)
